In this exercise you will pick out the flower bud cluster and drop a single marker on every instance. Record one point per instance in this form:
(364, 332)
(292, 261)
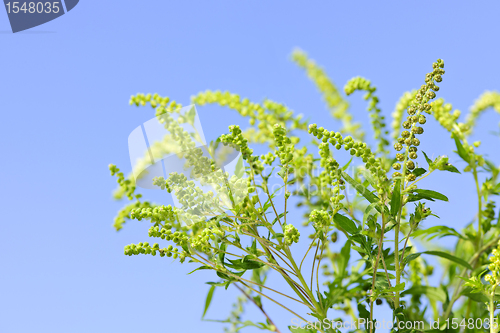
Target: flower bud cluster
(201, 241)
(415, 118)
(261, 116)
(285, 148)
(126, 186)
(359, 149)
(145, 248)
(334, 100)
(494, 277)
(397, 115)
(248, 205)
(320, 219)
(168, 233)
(156, 214)
(235, 137)
(291, 234)
(125, 212)
(200, 165)
(489, 99)
(161, 104)
(378, 120)
(444, 115)
(331, 174)
(269, 158)
(195, 203)
(162, 183)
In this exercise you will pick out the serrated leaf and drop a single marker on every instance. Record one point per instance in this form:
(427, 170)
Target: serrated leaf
(345, 223)
(363, 313)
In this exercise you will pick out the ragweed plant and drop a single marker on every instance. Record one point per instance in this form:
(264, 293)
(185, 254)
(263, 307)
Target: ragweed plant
(285, 211)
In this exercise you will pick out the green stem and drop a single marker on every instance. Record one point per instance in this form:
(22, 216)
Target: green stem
(318, 308)
(396, 261)
(375, 267)
(492, 310)
(480, 211)
(261, 308)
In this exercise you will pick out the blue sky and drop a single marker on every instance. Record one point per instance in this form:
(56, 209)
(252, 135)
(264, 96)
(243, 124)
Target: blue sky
(64, 103)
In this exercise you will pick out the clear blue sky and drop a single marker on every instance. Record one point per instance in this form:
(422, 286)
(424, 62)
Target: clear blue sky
(64, 93)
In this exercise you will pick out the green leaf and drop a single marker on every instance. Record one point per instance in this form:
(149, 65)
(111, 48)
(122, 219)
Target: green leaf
(396, 198)
(199, 268)
(460, 149)
(244, 264)
(239, 169)
(228, 277)
(448, 167)
(278, 218)
(345, 223)
(432, 293)
(363, 313)
(429, 161)
(367, 214)
(399, 287)
(450, 257)
(381, 281)
(368, 176)
(427, 194)
(282, 173)
(278, 235)
(301, 330)
(411, 257)
(344, 168)
(190, 116)
(441, 254)
(217, 284)
(345, 255)
(477, 297)
(437, 231)
(419, 172)
(208, 300)
(361, 190)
